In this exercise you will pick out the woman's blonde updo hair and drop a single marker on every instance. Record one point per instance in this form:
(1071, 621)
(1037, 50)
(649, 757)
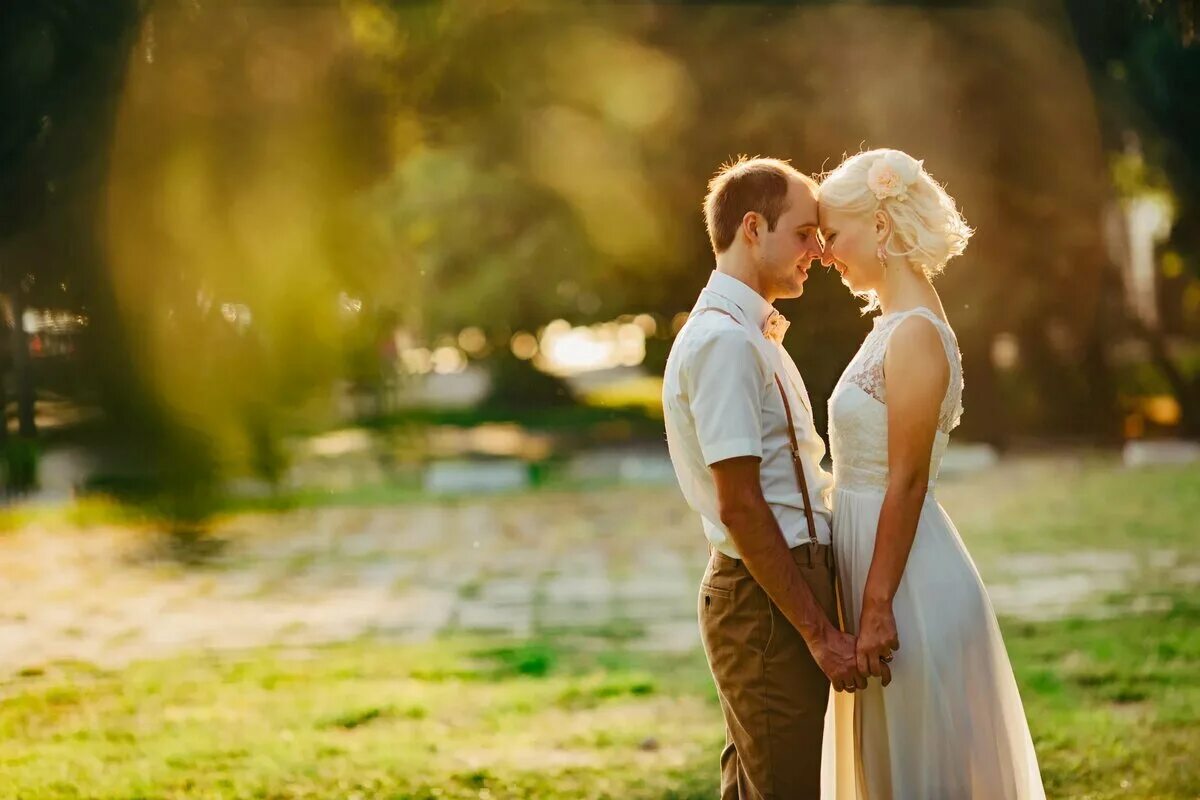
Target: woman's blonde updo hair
(926, 229)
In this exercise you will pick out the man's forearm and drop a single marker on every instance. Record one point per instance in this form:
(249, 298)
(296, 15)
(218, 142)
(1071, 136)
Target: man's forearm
(756, 533)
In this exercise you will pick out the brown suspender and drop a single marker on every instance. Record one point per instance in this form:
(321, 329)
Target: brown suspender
(797, 464)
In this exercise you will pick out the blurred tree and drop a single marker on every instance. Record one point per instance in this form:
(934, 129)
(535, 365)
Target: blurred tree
(61, 64)
(527, 143)
(1144, 60)
(551, 163)
(246, 199)
(242, 249)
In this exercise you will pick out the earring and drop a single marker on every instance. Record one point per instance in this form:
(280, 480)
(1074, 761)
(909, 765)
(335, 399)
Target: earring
(882, 256)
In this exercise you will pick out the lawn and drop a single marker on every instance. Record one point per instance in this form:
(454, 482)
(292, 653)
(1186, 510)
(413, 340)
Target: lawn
(1113, 706)
(1058, 504)
(1113, 701)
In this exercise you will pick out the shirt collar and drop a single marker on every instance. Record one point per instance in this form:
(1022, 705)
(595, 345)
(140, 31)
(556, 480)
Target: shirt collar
(753, 304)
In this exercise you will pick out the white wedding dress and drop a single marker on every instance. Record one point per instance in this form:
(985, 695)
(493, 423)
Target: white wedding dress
(950, 725)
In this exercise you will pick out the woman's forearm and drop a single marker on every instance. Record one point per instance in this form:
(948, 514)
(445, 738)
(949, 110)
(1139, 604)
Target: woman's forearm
(897, 528)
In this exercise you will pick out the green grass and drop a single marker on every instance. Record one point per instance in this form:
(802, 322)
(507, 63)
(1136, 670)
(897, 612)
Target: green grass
(447, 720)
(1039, 505)
(97, 509)
(1060, 504)
(80, 513)
(544, 479)
(573, 418)
(1114, 707)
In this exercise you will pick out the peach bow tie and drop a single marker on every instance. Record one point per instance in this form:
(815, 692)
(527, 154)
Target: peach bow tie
(775, 327)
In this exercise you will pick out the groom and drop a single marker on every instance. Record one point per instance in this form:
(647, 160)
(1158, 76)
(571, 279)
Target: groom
(747, 456)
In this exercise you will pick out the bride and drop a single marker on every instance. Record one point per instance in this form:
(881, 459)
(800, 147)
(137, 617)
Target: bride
(945, 720)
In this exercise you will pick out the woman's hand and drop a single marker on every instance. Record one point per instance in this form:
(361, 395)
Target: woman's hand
(877, 640)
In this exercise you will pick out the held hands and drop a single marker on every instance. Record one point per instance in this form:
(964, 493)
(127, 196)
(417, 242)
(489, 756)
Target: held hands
(835, 654)
(877, 640)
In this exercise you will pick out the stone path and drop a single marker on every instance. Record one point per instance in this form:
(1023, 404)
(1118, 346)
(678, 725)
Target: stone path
(622, 561)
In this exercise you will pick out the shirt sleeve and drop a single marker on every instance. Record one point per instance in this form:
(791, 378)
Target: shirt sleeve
(725, 394)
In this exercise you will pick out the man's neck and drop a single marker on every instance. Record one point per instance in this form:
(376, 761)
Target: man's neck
(730, 264)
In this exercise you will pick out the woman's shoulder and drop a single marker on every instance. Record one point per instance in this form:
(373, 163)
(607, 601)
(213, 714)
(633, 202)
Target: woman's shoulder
(917, 347)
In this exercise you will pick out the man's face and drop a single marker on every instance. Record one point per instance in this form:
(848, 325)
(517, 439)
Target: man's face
(786, 253)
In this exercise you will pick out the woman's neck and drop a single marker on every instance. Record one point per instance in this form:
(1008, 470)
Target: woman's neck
(905, 288)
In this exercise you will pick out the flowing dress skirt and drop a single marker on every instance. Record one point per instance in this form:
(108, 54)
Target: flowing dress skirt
(950, 725)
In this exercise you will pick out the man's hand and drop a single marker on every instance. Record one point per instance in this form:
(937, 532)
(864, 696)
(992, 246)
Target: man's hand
(835, 654)
(877, 640)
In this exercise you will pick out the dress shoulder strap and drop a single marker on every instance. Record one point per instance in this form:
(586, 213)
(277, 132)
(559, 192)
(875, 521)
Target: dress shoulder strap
(944, 331)
(951, 411)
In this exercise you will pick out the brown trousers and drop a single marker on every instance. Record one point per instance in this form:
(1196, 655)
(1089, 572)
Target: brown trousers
(772, 692)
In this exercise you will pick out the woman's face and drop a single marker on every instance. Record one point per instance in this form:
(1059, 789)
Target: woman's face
(851, 247)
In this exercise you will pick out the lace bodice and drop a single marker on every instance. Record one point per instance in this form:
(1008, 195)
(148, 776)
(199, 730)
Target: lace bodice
(858, 407)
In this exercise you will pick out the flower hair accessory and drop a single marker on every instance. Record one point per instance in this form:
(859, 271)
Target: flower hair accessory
(892, 174)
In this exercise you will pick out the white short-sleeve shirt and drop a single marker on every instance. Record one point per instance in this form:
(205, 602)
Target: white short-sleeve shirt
(720, 401)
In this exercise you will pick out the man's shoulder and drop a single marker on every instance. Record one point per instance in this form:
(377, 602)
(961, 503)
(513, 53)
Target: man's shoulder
(712, 322)
(713, 337)
(709, 331)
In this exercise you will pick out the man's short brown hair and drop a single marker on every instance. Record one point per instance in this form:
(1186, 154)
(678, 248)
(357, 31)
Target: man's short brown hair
(744, 185)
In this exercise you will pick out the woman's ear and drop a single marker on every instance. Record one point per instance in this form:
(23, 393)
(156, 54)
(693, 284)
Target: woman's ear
(883, 225)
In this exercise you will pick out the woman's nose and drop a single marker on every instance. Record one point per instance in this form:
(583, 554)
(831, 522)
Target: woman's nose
(826, 256)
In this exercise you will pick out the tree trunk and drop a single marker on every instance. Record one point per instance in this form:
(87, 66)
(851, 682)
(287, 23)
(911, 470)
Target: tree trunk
(5, 368)
(5, 363)
(22, 367)
(988, 412)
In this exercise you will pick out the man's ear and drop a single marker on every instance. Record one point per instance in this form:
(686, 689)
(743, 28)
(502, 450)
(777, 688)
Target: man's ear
(751, 226)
